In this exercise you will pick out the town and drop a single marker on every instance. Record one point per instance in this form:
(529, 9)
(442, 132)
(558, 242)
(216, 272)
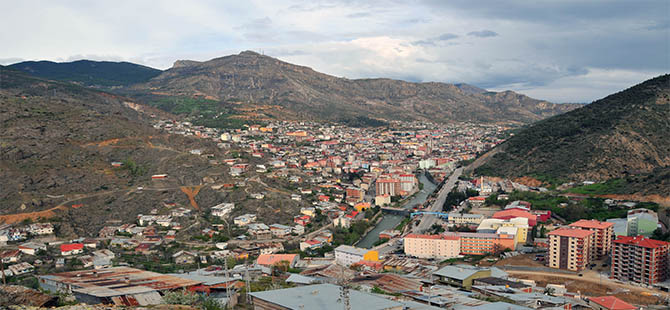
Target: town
(379, 218)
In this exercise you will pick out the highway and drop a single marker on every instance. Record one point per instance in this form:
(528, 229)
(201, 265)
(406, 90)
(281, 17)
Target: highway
(428, 220)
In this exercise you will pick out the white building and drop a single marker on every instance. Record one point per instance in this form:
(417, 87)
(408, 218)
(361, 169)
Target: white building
(244, 220)
(346, 255)
(223, 209)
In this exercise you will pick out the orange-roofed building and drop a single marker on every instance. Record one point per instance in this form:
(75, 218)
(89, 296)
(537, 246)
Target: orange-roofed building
(432, 246)
(609, 303)
(512, 213)
(362, 206)
(270, 260)
(571, 249)
(604, 234)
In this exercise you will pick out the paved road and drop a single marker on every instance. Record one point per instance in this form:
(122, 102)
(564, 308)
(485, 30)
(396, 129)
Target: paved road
(428, 220)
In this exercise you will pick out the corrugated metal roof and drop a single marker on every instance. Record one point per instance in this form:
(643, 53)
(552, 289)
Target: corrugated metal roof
(116, 281)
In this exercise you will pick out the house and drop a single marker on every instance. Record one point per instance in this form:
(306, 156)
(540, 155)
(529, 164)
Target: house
(67, 249)
(461, 275)
(10, 256)
(279, 230)
(260, 231)
(222, 209)
(269, 260)
(90, 243)
(609, 303)
(310, 245)
(244, 220)
(298, 229)
(41, 229)
(343, 222)
(181, 212)
(184, 258)
(21, 268)
(31, 248)
(302, 220)
(309, 211)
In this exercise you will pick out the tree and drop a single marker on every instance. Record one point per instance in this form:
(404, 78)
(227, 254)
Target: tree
(543, 232)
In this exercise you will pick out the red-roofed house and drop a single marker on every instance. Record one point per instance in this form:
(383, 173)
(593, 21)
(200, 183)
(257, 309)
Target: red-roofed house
(640, 259)
(609, 303)
(302, 220)
(571, 249)
(604, 234)
(512, 213)
(71, 248)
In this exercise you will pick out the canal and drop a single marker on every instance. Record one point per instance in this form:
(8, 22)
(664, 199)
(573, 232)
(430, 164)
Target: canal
(390, 221)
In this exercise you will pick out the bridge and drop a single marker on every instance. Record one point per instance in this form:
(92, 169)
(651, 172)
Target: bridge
(399, 211)
(438, 214)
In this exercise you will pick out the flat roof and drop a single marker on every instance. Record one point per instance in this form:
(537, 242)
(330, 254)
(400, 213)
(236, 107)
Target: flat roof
(571, 232)
(324, 297)
(592, 224)
(459, 272)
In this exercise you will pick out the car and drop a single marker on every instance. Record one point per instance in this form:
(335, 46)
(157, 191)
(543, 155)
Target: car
(580, 274)
(604, 265)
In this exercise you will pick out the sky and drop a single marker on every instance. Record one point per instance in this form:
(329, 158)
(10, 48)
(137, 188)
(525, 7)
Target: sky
(561, 51)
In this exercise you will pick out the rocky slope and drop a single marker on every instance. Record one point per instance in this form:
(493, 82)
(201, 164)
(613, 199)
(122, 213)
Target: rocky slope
(57, 141)
(624, 135)
(306, 94)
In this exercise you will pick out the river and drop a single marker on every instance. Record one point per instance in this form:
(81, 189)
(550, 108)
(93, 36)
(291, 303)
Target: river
(390, 221)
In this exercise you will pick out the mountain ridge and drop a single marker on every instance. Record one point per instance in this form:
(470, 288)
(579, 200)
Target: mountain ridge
(88, 72)
(623, 135)
(255, 78)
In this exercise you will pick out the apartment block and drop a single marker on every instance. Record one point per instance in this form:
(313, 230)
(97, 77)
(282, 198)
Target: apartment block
(484, 243)
(432, 246)
(571, 249)
(604, 234)
(640, 259)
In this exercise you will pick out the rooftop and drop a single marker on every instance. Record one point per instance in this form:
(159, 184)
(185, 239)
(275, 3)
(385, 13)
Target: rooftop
(323, 297)
(441, 236)
(612, 303)
(592, 224)
(641, 241)
(570, 232)
(118, 281)
(459, 272)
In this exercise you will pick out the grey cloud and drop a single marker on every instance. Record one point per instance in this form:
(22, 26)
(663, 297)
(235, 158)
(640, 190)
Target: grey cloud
(437, 39)
(483, 33)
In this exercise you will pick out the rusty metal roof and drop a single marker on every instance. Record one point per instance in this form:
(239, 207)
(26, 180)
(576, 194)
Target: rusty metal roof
(117, 281)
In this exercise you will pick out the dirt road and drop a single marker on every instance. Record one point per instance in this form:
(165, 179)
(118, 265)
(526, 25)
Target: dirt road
(593, 284)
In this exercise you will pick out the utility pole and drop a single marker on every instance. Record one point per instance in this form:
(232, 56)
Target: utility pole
(344, 291)
(225, 266)
(246, 279)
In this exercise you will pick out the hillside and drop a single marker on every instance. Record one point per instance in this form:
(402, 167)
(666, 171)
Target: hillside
(57, 142)
(300, 92)
(89, 73)
(624, 135)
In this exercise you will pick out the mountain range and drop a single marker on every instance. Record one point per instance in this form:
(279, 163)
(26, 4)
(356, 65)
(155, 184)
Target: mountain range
(303, 93)
(624, 136)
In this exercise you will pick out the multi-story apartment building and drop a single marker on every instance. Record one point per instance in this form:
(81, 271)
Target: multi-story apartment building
(388, 186)
(484, 243)
(517, 226)
(432, 246)
(604, 234)
(571, 249)
(640, 259)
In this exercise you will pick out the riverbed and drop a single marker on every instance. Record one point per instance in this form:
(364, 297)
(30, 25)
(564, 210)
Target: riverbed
(390, 221)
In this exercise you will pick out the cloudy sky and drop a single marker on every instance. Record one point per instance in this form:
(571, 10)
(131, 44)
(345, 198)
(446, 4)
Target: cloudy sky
(562, 51)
